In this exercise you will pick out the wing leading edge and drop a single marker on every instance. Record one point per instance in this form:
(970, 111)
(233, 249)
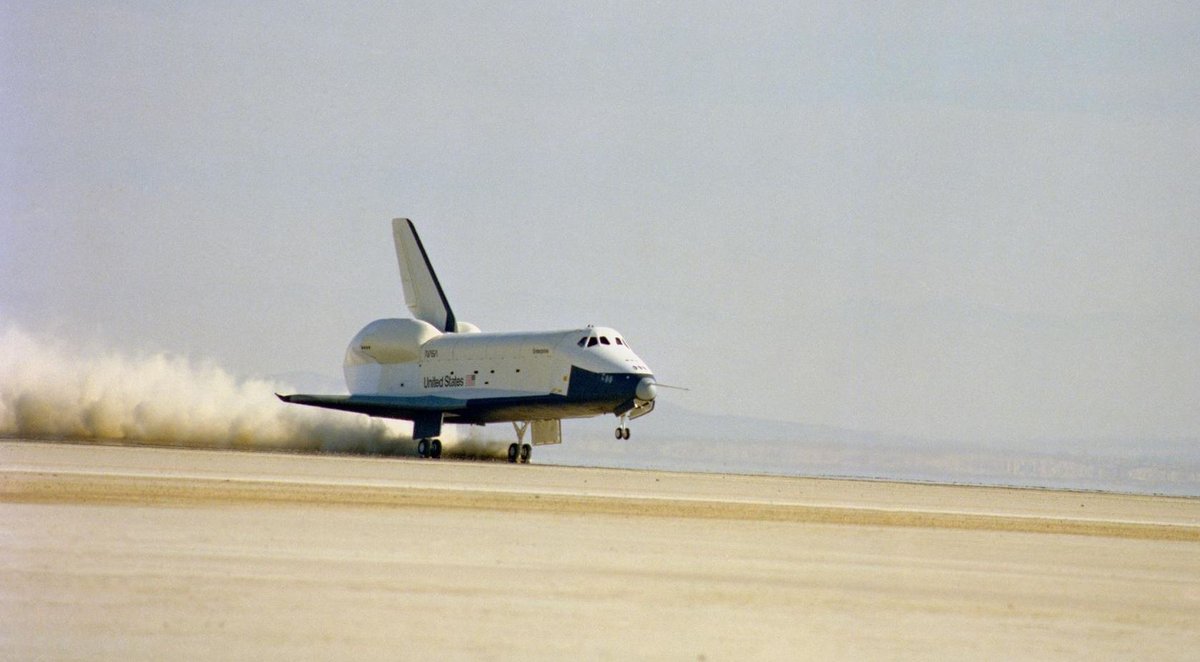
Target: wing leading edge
(385, 406)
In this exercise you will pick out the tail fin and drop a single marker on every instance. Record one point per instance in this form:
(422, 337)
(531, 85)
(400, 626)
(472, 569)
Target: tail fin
(422, 291)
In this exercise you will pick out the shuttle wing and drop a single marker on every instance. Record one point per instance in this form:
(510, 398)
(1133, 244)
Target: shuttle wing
(422, 291)
(386, 406)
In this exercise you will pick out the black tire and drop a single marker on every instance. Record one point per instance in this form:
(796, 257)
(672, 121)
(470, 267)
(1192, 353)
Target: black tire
(619, 434)
(435, 449)
(423, 448)
(526, 452)
(513, 451)
(625, 434)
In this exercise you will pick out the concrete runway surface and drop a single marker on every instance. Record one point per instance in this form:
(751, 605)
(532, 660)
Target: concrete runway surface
(141, 553)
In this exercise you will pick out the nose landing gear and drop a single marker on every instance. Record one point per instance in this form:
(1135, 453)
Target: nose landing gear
(622, 431)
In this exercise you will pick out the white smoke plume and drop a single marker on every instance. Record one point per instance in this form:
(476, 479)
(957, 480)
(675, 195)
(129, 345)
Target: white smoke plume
(50, 391)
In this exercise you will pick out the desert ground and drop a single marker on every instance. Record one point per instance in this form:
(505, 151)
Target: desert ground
(140, 553)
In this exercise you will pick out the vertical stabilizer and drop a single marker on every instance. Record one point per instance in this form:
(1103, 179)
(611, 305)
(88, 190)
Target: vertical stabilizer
(422, 291)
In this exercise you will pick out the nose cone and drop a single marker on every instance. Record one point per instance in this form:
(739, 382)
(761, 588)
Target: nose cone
(646, 390)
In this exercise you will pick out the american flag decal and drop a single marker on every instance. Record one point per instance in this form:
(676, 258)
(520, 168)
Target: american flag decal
(470, 380)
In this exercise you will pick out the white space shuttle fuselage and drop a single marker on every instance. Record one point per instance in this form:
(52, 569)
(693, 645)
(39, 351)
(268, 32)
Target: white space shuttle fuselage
(481, 365)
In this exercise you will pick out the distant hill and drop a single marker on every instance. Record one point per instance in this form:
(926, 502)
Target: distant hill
(673, 438)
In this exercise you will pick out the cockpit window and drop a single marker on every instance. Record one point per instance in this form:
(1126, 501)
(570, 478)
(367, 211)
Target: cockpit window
(604, 340)
(582, 341)
(592, 341)
(618, 339)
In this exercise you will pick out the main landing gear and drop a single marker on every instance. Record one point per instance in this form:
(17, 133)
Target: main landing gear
(519, 453)
(429, 448)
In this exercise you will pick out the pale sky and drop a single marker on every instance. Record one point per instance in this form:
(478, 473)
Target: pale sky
(954, 221)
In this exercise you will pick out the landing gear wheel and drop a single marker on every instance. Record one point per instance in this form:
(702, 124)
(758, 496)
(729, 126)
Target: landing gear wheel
(513, 451)
(619, 433)
(526, 451)
(423, 448)
(435, 449)
(625, 433)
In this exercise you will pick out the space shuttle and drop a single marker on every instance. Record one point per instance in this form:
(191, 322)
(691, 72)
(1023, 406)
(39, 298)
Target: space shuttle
(435, 370)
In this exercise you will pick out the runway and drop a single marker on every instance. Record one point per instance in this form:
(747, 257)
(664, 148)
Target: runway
(141, 553)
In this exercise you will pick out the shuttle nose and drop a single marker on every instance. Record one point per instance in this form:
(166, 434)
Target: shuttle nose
(646, 390)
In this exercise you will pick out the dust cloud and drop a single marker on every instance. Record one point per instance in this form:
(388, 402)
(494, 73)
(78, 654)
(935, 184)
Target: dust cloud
(50, 389)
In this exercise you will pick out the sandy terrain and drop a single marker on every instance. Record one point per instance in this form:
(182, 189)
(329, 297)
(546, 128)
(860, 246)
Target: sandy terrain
(137, 553)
